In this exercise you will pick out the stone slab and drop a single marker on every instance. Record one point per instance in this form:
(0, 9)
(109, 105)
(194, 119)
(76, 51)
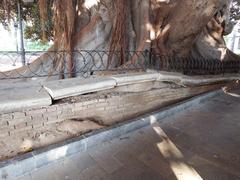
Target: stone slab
(75, 86)
(19, 98)
(195, 80)
(127, 79)
(204, 81)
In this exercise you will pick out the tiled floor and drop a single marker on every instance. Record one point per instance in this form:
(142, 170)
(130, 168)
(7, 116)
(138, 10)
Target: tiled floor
(203, 143)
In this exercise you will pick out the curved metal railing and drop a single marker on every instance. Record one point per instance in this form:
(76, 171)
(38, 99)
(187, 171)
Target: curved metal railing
(88, 62)
(85, 63)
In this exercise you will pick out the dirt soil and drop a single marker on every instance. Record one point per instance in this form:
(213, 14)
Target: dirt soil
(47, 136)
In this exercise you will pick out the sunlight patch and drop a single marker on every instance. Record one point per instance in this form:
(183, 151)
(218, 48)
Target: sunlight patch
(174, 157)
(90, 3)
(182, 171)
(57, 153)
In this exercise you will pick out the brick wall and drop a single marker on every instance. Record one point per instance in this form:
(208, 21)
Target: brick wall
(105, 108)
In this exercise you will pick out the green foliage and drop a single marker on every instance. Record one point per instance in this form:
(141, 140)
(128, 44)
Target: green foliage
(37, 46)
(6, 12)
(31, 15)
(33, 29)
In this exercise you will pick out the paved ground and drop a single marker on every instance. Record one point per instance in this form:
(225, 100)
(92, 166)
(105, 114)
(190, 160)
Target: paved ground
(203, 143)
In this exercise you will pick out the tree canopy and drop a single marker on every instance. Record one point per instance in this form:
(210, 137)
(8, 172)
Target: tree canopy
(35, 26)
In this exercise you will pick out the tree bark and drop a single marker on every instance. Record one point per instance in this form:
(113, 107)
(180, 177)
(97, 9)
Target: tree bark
(193, 28)
(184, 28)
(172, 27)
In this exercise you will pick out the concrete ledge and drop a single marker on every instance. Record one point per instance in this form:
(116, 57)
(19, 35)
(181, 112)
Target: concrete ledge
(195, 80)
(73, 87)
(135, 78)
(20, 96)
(31, 161)
(170, 76)
(15, 99)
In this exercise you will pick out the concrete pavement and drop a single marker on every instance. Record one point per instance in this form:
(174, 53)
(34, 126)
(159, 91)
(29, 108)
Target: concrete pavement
(201, 143)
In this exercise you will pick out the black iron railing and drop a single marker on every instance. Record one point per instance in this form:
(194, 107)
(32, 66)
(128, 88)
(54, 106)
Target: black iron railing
(87, 62)
(55, 63)
(193, 66)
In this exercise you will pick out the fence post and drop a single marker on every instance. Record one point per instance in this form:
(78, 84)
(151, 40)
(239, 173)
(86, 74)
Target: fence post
(21, 33)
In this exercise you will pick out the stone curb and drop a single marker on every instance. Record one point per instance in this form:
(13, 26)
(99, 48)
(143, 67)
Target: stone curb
(73, 87)
(60, 89)
(29, 162)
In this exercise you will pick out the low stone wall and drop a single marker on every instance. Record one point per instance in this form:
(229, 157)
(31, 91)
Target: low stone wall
(33, 94)
(104, 108)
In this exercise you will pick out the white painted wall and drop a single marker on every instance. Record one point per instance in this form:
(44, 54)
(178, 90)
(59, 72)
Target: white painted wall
(233, 40)
(8, 39)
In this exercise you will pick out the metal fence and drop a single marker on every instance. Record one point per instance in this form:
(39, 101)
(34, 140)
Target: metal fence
(193, 66)
(86, 63)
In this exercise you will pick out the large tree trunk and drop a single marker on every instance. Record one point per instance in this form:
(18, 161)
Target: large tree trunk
(170, 27)
(193, 28)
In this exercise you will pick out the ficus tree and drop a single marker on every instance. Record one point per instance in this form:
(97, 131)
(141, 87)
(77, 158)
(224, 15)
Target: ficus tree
(169, 27)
